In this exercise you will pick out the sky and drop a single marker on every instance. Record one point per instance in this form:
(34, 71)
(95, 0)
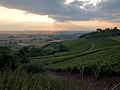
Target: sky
(58, 15)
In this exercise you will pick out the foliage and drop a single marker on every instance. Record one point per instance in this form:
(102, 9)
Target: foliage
(27, 52)
(24, 55)
(21, 80)
(103, 43)
(35, 68)
(104, 33)
(77, 45)
(100, 44)
(56, 46)
(34, 52)
(7, 58)
(99, 64)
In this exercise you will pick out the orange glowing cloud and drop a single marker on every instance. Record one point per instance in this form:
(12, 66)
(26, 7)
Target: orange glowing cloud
(92, 24)
(15, 15)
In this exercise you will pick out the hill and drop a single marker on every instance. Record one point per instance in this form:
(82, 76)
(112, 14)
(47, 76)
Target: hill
(99, 63)
(92, 62)
(102, 33)
(77, 49)
(102, 60)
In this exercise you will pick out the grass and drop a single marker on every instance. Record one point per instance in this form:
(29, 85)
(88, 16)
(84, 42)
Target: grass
(103, 60)
(103, 42)
(78, 45)
(59, 59)
(99, 43)
(21, 80)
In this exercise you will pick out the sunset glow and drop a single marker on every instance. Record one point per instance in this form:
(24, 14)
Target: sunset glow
(61, 15)
(15, 15)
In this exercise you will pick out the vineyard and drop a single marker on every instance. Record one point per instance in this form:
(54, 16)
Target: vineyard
(99, 64)
(59, 44)
(84, 64)
(75, 46)
(102, 60)
(98, 46)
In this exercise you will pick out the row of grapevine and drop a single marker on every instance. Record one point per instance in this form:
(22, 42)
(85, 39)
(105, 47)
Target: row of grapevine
(99, 64)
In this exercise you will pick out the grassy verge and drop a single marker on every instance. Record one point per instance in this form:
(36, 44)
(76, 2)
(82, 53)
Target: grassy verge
(21, 80)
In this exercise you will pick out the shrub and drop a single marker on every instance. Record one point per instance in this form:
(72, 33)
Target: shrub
(35, 68)
(23, 55)
(75, 70)
(7, 58)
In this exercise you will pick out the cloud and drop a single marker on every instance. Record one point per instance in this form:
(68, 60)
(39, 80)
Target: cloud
(79, 10)
(15, 15)
(110, 10)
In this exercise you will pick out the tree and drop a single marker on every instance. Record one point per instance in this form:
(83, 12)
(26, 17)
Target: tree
(24, 55)
(62, 48)
(98, 30)
(10, 42)
(107, 29)
(7, 58)
(75, 70)
(20, 41)
(115, 28)
(11, 36)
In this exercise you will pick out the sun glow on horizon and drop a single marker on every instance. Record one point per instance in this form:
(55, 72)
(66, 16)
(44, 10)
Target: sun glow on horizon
(15, 15)
(15, 19)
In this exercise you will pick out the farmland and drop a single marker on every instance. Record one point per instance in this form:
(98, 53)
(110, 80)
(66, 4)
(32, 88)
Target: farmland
(101, 61)
(36, 38)
(106, 62)
(67, 63)
(59, 44)
(78, 45)
(80, 49)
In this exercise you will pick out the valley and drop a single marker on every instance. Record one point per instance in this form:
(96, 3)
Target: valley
(90, 62)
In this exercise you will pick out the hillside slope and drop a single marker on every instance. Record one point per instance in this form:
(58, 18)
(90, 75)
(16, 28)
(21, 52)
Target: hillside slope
(99, 45)
(104, 33)
(102, 63)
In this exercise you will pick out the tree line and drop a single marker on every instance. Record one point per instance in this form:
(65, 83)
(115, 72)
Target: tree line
(100, 33)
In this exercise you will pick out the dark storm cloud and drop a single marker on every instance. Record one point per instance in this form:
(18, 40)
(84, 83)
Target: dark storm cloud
(36, 6)
(77, 10)
(110, 10)
(110, 5)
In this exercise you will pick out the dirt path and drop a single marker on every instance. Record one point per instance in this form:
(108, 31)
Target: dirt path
(72, 58)
(92, 47)
(106, 83)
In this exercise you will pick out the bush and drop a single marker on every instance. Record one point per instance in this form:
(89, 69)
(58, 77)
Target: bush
(7, 58)
(75, 70)
(23, 55)
(35, 68)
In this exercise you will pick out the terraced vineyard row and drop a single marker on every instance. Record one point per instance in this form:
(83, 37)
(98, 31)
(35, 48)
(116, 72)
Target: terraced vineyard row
(102, 63)
(103, 43)
(68, 56)
(55, 60)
